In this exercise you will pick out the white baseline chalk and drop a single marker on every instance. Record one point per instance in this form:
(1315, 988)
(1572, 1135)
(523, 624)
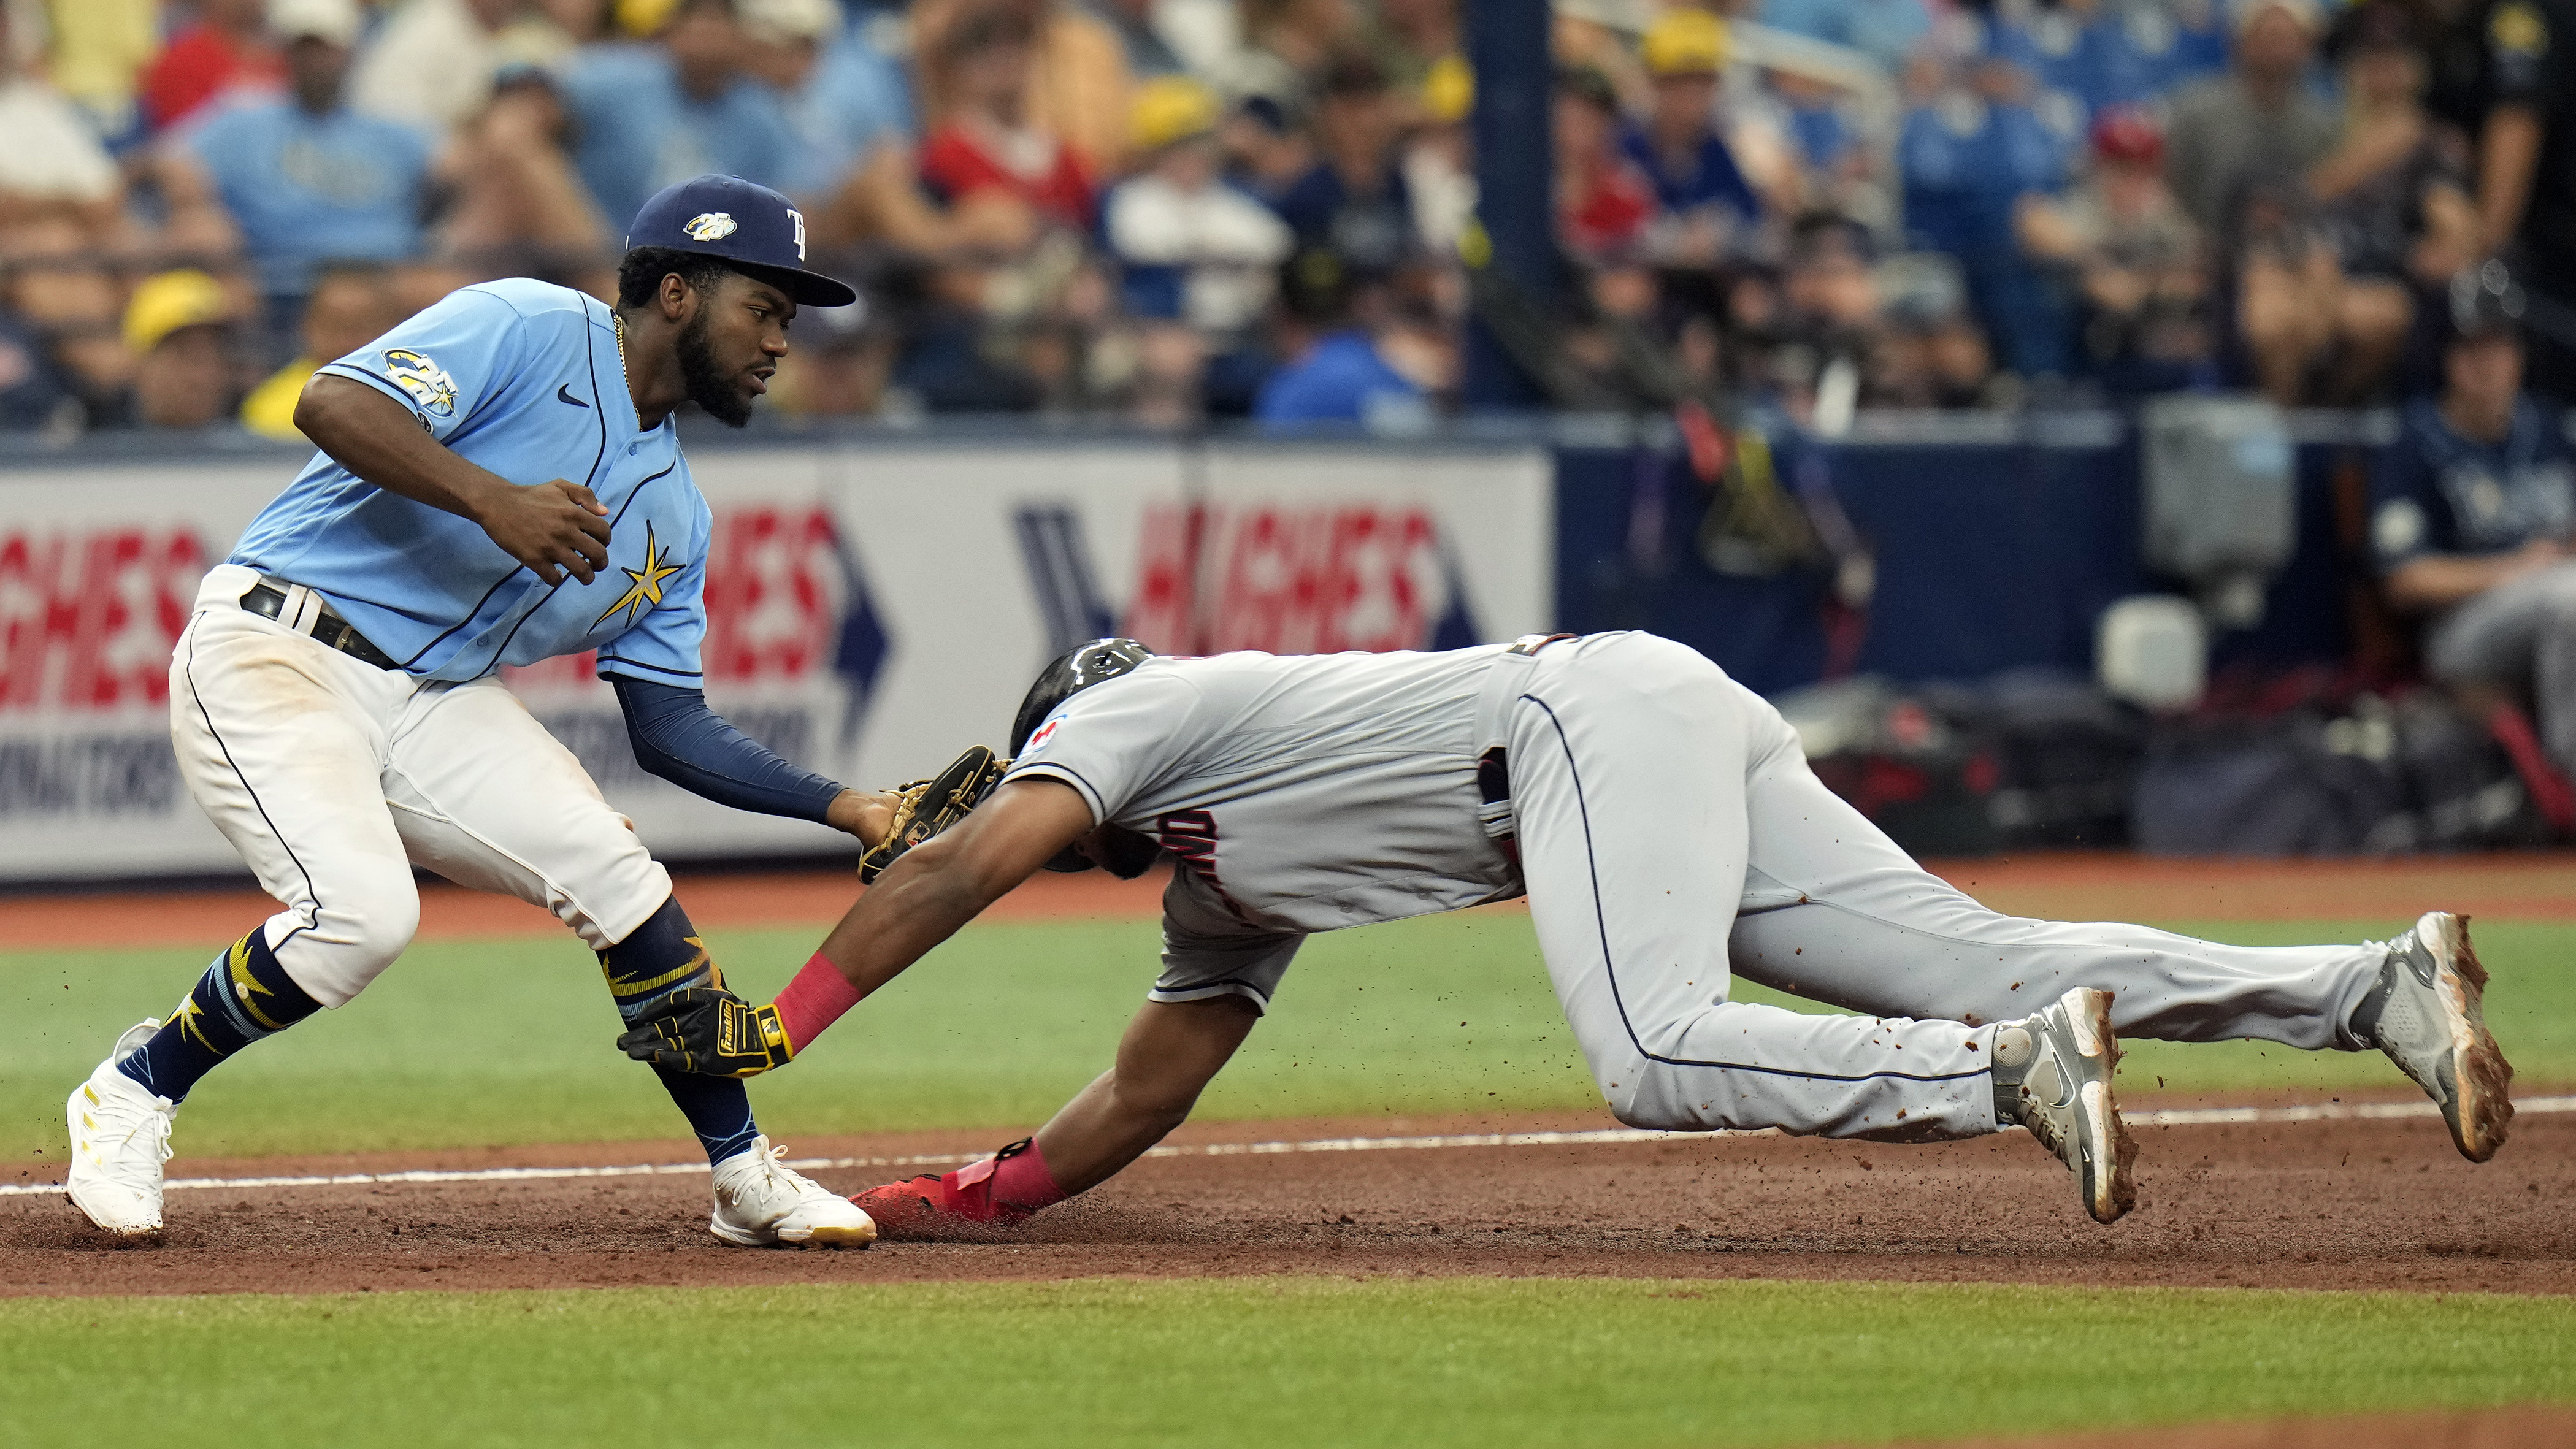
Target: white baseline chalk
(2166, 1117)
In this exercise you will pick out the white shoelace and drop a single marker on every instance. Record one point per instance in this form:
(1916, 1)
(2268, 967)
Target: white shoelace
(772, 1176)
(796, 1183)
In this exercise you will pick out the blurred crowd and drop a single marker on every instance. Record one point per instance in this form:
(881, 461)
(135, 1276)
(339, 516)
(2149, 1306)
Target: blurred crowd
(1169, 211)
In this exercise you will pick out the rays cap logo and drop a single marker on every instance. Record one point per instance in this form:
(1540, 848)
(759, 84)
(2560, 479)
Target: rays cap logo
(759, 231)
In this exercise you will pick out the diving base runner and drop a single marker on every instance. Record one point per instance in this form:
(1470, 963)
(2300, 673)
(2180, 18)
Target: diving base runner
(1665, 826)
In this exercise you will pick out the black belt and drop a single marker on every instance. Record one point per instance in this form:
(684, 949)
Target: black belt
(329, 630)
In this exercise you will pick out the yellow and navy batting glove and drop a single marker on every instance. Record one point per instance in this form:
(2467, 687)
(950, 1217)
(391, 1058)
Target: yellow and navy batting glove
(711, 1032)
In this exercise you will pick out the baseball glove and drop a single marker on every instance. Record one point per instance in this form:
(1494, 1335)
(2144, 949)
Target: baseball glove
(711, 1032)
(924, 808)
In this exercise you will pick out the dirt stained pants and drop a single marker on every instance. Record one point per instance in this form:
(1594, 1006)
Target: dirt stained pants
(333, 778)
(1670, 830)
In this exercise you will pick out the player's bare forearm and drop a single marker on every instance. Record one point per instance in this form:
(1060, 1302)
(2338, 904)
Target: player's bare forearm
(941, 884)
(554, 528)
(1171, 1051)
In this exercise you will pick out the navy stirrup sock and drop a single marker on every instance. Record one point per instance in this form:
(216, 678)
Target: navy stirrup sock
(245, 996)
(657, 958)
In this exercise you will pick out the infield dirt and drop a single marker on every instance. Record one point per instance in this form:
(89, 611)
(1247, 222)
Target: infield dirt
(2367, 1204)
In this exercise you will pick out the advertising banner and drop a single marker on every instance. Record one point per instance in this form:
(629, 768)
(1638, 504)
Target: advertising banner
(871, 609)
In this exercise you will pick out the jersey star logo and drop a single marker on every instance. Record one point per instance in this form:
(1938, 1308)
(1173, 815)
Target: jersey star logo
(644, 585)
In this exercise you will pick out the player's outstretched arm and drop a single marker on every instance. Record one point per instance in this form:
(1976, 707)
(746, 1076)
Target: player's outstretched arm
(920, 901)
(554, 528)
(1170, 1052)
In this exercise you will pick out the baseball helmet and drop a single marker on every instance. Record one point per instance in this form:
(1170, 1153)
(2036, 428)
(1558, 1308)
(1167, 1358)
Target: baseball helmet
(1077, 669)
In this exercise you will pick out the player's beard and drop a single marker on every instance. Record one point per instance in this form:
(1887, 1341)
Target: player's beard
(711, 387)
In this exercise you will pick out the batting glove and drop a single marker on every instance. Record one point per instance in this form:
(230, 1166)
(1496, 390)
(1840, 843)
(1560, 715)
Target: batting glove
(712, 1032)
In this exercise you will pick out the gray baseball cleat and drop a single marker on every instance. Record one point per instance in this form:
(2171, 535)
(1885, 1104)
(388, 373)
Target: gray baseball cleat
(2428, 1012)
(2053, 1076)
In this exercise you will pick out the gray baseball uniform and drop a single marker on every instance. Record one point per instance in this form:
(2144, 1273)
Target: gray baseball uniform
(1666, 828)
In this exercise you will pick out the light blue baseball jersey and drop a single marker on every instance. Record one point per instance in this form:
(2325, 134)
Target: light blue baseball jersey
(523, 378)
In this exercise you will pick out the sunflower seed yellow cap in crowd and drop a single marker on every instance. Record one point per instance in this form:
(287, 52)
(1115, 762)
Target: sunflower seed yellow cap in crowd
(1168, 109)
(1687, 41)
(173, 302)
(1449, 90)
(743, 222)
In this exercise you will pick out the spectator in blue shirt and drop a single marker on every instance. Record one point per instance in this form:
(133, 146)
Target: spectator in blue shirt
(1966, 160)
(1334, 374)
(306, 178)
(2100, 55)
(1706, 207)
(840, 96)
(652, 115)
(2473, 524)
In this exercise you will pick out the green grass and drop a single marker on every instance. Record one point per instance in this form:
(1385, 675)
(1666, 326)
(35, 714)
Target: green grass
(1274, 1362)
(502, 1042)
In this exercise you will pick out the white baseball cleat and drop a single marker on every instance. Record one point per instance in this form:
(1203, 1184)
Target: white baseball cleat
(120, 1137)
(2053, 1076)
(760, 1203)
(2428, 1012)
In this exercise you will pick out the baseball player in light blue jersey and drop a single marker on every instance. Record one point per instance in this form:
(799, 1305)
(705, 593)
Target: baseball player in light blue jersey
(1662, 820)
(499, 482)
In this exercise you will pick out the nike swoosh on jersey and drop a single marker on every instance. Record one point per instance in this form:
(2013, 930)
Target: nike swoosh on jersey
(564, 394)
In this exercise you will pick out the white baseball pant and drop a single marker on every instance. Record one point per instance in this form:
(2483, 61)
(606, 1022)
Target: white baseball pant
(333, 778)
(1669, 830)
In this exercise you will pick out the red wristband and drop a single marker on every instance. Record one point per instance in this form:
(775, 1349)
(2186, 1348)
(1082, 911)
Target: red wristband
(813, 1001)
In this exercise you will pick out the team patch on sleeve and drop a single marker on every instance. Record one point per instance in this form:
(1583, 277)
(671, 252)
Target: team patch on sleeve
(427, 382)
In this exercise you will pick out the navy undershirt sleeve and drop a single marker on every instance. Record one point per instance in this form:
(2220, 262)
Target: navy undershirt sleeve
(678, 738)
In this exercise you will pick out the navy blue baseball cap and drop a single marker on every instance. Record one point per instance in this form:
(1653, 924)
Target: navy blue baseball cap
(747, 224)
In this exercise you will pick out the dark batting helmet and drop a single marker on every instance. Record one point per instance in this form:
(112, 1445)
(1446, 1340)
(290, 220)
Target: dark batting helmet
(1078, 668)
(1128, 854)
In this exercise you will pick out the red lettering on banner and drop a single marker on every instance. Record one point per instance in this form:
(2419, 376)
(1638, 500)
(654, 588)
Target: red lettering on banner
(771, 607)
(772, 602)
(1287, 579)
(87, 619)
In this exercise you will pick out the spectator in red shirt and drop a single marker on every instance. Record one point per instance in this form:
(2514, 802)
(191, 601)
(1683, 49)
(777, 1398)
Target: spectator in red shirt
(1603, 202)
(225, 48)
(988, 141)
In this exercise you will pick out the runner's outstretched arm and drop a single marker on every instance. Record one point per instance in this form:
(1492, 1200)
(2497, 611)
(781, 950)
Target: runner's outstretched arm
(1171, 1051)
(920, 901)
